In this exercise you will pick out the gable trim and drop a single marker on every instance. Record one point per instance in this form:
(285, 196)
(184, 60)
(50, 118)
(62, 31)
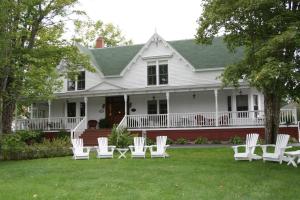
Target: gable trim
(103, 82)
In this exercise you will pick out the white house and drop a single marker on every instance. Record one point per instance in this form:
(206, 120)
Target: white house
(161, 85)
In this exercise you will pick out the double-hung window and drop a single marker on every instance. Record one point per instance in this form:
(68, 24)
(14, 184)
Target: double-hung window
(79, 84)
(157, 73)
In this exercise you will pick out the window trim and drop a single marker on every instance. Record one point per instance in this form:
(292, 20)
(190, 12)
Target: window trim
(157, 64)
(76, 82)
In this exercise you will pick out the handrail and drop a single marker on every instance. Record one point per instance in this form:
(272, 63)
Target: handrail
(79, 129)
(123, 123)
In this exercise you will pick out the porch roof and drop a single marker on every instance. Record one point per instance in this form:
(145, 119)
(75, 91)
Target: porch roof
(147, 90)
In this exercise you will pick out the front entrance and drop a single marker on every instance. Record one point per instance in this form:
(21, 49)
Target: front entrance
(114, 111)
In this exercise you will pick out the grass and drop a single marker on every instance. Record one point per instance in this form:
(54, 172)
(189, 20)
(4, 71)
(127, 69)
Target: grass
(209, 173)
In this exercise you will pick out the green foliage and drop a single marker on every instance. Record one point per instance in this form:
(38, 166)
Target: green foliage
(18, 150)
(181, 141)
(271, 42)
(120, 137)
(150, 142)
(201, 140)
(236, 140)
(87, 31)
(170, 141)
(30, 136)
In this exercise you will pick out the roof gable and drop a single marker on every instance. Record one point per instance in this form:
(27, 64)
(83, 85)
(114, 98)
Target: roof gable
(112, 61)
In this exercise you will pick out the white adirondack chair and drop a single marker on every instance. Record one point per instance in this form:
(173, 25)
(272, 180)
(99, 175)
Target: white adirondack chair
(161, 147)
(103, 150)
(80, 152)
(280, 147)
(138, 150)
(248, 154)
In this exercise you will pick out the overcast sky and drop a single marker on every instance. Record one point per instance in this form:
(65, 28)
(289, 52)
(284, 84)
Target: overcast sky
(138, 19)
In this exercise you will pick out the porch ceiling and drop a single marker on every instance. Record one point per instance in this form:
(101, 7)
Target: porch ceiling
(146, 90)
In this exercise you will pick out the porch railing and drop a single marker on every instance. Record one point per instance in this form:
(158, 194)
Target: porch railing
(205, 119)
(79, 129)
(55, 123)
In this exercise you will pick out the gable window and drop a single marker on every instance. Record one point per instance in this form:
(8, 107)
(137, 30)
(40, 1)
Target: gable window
(151, 74)
(71, 85)
(157, 73)
(79, 84)
(163, 74)
(81, 81)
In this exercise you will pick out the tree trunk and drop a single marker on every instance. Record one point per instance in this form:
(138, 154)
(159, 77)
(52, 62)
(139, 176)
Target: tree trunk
(8, 108)
(272, 116)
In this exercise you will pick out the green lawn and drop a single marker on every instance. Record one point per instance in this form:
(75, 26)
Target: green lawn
(209, 173)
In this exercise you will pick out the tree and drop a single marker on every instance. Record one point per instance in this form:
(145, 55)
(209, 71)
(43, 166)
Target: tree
(33, 48)
(268, 30)
(87, 31)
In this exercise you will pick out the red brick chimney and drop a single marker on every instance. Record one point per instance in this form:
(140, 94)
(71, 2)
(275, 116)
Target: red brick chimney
(100, 42)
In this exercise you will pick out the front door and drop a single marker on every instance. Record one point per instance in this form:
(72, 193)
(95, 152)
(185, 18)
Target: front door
(115, 107)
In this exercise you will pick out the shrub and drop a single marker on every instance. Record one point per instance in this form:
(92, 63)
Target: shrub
(13, 148)
(63, 134)
(261, 141)
(181, 141)
(201, 140)
(120, 137)
(236, 140)
(30, 136)
(170, 141)
(150, 142)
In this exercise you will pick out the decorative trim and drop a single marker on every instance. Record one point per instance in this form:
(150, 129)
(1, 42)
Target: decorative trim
(157, 57)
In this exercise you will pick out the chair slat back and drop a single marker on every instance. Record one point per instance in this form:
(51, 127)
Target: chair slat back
(103, 144)
(139, 143)
(281, 141)
(161, 142)
(251, 140)
(77, 142)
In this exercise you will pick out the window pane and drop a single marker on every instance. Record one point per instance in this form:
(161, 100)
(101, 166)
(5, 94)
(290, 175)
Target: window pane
(82, 109)
(81, 81)
(163, 108)
(163, 74)
(151, 75)
(255, 102)
(152, 107)
(242, 102)
(71, 85)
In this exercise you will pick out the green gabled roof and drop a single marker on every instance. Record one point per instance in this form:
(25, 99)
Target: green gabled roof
(112, 60)
(215, 55)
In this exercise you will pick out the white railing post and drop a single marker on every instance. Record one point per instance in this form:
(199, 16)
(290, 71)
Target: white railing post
(86, 111)
(49, 115)
(168, 108)
(217, 106)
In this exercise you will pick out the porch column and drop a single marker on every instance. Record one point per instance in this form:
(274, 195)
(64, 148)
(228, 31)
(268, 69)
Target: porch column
(217, 107)
(86, 111)
(49, 114)
(168, 108)
(125, 101)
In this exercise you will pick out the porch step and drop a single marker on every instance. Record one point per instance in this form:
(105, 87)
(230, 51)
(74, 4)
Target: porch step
(90, 136)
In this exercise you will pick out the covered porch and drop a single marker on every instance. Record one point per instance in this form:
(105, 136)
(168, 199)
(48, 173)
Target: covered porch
(185, 108)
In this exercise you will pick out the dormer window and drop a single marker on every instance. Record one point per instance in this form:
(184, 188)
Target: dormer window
(79, 84)
(157, 73)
